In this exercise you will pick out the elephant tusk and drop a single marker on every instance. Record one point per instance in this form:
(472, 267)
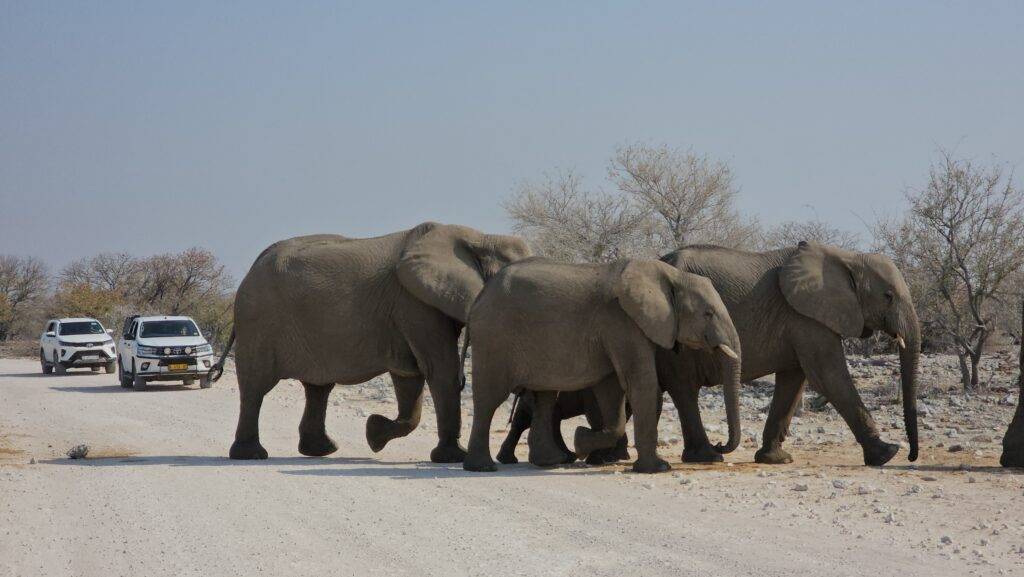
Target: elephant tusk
(729, 352)
(899, 341)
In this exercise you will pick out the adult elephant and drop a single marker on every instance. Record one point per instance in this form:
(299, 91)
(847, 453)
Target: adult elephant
(548, 327)
(326, 310)
(792, 308)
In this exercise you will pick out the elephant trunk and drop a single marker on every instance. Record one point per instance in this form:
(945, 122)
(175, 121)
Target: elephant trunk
(731, 389)
(907, 328)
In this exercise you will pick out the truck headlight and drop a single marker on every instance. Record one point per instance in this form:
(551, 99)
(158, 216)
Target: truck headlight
(204, 349)
(152, 351)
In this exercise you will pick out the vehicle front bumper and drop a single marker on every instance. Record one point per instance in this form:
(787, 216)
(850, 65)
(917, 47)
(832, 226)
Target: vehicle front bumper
(159, 368)
(86, 356)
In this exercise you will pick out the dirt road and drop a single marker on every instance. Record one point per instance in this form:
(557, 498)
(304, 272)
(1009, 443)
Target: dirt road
(157, 496)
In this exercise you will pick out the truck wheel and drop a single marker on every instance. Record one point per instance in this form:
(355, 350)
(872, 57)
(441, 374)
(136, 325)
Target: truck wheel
(59, 368)
(47, 367)
(204, 383)
(126, 381)
(189, 382)
(110, 367)
(139, 383)
(94, 369)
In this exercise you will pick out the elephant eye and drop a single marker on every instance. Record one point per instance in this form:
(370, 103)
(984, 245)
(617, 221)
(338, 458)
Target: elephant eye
(889, 296)
(709, 314)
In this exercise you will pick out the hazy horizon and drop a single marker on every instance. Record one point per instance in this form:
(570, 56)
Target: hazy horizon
(150, 129)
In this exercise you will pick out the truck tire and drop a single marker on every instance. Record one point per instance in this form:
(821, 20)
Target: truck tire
(125, 378)
(139, 383)
(47, 367)
(59, 368)
(110, 367)
(205, 383)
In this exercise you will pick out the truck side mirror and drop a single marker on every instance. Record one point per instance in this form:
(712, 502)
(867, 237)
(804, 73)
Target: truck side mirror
(51, 334)
(110, 331)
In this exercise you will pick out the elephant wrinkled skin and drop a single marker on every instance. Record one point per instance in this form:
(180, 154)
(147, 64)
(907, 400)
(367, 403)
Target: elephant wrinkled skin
(548, 327)
(325, 309)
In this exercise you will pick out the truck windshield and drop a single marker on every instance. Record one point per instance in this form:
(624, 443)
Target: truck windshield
(169, 329)
(81, 328)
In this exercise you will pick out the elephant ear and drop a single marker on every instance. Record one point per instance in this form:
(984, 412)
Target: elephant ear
(646, 292)
(439, 268)
(819, 282)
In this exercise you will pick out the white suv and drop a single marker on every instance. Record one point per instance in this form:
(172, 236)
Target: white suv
(163, 349)
(73, 343)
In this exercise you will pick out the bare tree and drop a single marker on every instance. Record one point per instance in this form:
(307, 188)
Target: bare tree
(23, 280)
(691, 196)
(963, 237)
(115, 272)
(814, 230)
(562, 220)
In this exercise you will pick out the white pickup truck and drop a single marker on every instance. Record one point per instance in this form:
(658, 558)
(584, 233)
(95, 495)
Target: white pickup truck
(162, 348)
(73, 343)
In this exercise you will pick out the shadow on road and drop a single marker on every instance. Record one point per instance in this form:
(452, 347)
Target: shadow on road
(54, 377)
(389, 469)
(120, 389)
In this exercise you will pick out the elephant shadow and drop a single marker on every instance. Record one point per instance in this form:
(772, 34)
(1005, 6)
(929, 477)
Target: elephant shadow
(346, 466)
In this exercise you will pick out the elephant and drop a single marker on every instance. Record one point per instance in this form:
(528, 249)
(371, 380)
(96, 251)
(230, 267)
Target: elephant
(547, 327)
(326, 309)
(569, 404)
(1013, 440)
(792, 308)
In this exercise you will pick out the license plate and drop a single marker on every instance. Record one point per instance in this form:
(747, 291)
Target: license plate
(90, 357)
(177, 367)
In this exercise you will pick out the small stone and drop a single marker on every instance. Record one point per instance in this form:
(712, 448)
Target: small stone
(78, 452)
(840, 484)
(945, 540)
(648, 485)
(971, 480)
(32, 461)
(889, 518)
(865, 490)
(929, 478)
(800, 487)
(956, 448)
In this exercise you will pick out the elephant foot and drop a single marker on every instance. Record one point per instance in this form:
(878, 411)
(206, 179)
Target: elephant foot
(606, 456)
(772, 456)
(1012, 458)
(449, 454)
(507, 456)
(703, 454)
(479, 464)
(655, 465)
(379, 431)
(877, 452)
(247, 450)
(549, 457)
(316, 445)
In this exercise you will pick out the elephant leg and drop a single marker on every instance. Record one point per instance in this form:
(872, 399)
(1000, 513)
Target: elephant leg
(696, 446)
(824, 363)
(610, 400)
(313, 439)
(789, 387)
(544, 449)
(486, 400)
(643, 397)
(595, 419)
(409, 395)
(521, 420)
(437, 355)
(251, 390)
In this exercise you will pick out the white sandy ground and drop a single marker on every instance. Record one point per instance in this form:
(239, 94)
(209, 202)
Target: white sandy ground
(157, 496)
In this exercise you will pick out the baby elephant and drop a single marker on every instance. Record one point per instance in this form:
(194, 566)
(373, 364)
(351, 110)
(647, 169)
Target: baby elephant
(549, 327)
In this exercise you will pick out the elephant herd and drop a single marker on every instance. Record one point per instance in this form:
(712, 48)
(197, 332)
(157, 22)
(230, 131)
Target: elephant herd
(603, 340)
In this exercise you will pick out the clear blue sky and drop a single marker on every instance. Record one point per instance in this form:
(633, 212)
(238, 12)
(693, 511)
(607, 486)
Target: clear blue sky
(149, 128)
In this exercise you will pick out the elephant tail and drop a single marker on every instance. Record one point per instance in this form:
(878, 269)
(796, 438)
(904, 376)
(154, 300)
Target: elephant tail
(218, 368)
(462, 359)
